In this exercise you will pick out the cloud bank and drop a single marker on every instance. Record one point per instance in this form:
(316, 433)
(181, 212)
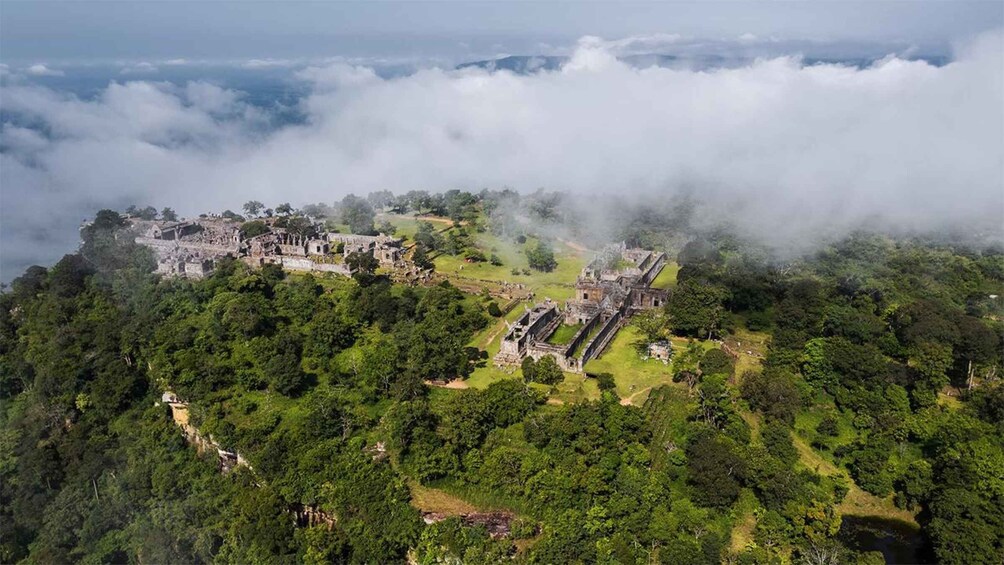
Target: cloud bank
(788, 151)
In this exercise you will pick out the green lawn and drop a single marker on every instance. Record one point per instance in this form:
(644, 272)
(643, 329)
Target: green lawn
(667, 277)
(632, 374)
(564, 334)
(557, 284)
(575, 388)
(406, 226)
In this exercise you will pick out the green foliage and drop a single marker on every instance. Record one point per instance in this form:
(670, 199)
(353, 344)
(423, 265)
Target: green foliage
(304, 376)
(358, 214)
(362, 264)
(717, 362)
(253, 208)
(713, 470)
(494, 310)
(421, 258)
(253, 228)
(774, 393)
(697, 309)
(653, 324)
(545, 371)
(605, 381)
(541, 257)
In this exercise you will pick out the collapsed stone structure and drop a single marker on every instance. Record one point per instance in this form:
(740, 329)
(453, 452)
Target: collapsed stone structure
(608, 291)
(191, 248)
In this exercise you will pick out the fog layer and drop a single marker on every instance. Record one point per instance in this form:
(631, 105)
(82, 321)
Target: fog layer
(786, 151)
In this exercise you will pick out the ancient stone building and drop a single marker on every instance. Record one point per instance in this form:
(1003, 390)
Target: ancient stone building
(191, 248)
(387, 250)
(607, 292)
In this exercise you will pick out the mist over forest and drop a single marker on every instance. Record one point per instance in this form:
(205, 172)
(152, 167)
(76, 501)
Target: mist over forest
(790, 152)
(492, 282)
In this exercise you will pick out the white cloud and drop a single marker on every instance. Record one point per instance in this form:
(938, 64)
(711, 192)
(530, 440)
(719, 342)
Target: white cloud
(142, 68)
(266, 63)
(40, 70)
(787, 151)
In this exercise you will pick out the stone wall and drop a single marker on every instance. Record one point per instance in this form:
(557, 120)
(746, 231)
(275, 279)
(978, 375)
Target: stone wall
(308, 265)
(599, 342)
(583, 333)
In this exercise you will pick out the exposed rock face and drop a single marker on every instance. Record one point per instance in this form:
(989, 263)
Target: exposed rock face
(497, 523)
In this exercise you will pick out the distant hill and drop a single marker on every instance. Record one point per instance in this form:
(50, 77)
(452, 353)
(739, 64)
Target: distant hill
(527, 64)
(520, 64)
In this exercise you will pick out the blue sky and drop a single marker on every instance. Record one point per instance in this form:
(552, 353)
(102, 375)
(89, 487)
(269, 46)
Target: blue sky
(87, 31)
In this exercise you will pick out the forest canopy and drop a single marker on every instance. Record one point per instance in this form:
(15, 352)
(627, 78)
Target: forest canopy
(883, 359)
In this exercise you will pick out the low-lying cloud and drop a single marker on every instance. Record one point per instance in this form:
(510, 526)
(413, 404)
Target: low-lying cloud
(787, 151)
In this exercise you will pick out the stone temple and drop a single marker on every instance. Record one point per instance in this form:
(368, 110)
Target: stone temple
(608, 291)
(191, 248)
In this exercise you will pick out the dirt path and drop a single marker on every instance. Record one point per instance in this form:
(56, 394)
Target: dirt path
(455, 384)
(435, 219)
(575, 246)
(501, 327)
(629, 400)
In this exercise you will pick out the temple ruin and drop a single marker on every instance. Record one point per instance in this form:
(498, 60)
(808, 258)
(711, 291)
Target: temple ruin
(191, 248)
(611, 288)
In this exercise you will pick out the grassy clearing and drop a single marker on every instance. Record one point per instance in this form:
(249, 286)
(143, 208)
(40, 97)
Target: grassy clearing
(950, 402)
(564, 334)
(633, 374)
(557, 284)
(751, 347)
(745, 521)
(490, 340)
(575, 388)
(857, 502)
(667, 277)
(668, 408)
(806, 422)
(428, 499)
(483, 500)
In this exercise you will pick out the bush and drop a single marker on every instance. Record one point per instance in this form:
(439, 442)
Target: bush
(474, 256)
(546, 371)
(522, 529)
(828, 427)
(717, 362)
(495, 260)
(494, 310)
(541, 257)
(605, 381)
(253, 228)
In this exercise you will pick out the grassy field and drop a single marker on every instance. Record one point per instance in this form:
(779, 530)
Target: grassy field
(428, 499)
(632, 374)
(575, 388)
(557, 284)
(857, 502)
(667, 277)
(668, 408)
(407, 225)
(752, 346)
(564, 334)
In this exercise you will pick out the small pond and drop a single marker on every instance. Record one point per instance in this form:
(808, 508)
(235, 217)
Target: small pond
(899, 541)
